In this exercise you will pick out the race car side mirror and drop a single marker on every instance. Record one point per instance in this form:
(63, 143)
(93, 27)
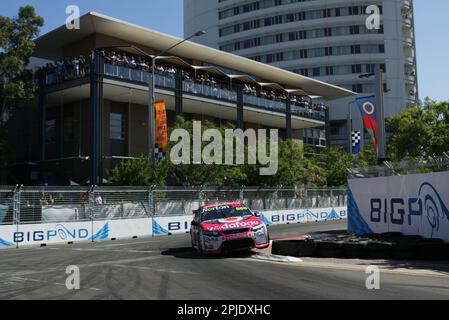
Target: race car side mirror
(257, 213)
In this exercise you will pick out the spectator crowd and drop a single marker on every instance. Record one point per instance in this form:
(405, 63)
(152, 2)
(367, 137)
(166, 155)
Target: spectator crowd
(78, 67)
(65, 69)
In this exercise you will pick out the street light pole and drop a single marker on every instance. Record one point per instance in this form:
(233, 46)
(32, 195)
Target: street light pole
(380, 115)
(152, 91)
(349, 125)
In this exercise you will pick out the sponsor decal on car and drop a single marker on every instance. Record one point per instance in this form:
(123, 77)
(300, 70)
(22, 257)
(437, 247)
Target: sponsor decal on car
(233, 225)
(221, 207)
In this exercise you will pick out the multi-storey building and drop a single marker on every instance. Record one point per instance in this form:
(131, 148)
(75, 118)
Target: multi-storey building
(93, 101)
(324, 39)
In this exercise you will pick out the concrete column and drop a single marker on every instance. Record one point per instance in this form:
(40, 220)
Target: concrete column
(96, 118)
(288, 119)
(43, 115)
(240, 121)
(178, 93)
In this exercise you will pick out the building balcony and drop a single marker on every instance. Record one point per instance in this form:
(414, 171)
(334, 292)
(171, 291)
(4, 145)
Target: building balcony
(135, 75)
(406, 4)
(167, 81)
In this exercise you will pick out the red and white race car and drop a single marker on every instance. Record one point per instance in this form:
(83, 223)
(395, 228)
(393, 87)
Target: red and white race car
(225, 227)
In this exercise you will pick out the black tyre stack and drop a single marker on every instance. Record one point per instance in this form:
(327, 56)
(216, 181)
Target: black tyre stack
(390, 245)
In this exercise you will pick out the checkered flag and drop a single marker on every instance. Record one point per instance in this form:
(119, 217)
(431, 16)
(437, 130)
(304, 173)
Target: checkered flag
(159, 155)
(356, 138)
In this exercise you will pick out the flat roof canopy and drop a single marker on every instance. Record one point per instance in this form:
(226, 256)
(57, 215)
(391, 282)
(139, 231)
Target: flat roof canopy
(50, 46)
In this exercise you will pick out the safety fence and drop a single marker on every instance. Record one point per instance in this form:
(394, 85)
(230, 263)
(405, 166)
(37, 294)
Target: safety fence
(22, 205)
(47, 215)
(403, 168)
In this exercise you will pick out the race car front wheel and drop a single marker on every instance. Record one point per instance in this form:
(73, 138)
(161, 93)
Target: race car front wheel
(200, 247)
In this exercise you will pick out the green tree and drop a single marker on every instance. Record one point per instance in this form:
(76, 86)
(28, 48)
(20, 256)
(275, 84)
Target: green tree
(419, 132)
(198, 174)
(16, 47)
(367, 156)
(336, 162)
(294, 169)
(136, 172)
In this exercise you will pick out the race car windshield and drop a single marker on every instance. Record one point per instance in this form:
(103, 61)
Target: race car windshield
(223, 212)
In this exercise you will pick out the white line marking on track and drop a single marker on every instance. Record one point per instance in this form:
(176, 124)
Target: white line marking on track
(276, 258)
(90, 265)
(117, 250)
(21, 279)
(122, 244)
(357, 268)
(155, 270)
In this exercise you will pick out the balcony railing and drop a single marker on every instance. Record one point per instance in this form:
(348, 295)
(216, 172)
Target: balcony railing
(308, 113)
(168, 81)
(60, 76)
(268, 104)
(209, 91)
(129, 74)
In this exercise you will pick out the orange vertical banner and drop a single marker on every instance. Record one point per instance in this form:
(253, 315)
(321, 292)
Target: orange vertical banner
(161, 139)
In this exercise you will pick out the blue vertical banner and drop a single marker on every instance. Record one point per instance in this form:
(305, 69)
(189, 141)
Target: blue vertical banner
(368, 110)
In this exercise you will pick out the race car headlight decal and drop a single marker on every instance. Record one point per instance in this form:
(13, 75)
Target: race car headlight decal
(258, 228)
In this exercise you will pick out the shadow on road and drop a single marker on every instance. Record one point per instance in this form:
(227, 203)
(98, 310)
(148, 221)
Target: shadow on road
(190, 253)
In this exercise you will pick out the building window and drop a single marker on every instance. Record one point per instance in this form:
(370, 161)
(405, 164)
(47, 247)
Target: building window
(50, 131)
(355, 49)
(357, 88)
(356, 68)
(117, 126)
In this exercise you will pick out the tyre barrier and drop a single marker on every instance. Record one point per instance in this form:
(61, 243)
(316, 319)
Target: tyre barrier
(294, 248)
(405, 249)
(351, 247)
(379, 250)
(433, 250)
(328, 248)
(354, 249)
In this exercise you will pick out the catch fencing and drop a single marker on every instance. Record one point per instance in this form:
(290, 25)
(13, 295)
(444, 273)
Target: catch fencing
(403, 168)
(31, 205)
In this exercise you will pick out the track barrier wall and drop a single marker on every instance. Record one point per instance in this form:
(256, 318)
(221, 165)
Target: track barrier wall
(415, 204)
(51, 215)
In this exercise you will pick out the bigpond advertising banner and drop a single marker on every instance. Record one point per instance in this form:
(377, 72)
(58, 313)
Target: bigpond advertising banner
(98, 230)
(414, 205)
(181, 224)
(64, 232)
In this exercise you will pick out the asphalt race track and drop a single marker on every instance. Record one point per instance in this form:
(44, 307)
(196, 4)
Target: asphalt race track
(167, 268)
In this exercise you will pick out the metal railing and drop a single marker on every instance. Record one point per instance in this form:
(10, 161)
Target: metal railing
(435, 164)
(209, 91)
(167, 80)
(26, 205)
(61, 75)
(130, 74)
(264, 103)
(308, 113)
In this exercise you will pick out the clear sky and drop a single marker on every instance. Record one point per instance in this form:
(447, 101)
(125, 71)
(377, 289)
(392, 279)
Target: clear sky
(432, 34)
